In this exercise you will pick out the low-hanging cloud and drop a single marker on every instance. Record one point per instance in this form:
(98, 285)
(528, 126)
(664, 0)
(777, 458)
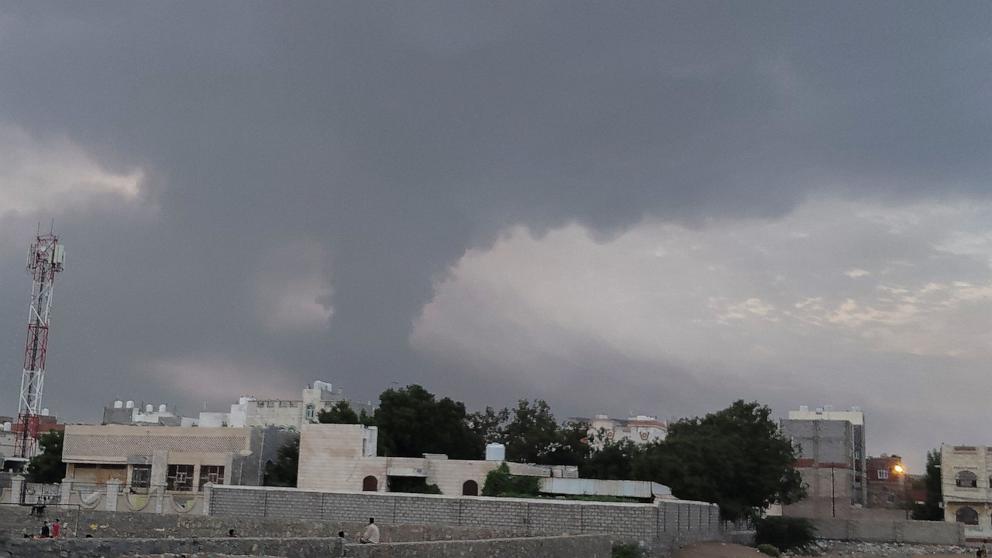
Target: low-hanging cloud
(392, 139)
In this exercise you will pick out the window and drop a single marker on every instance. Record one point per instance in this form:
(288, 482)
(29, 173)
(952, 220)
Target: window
(212, 474)
(470, 488)
(141, 476)
(370, 484)
(966, 515)
(883, 474)
(179, 477)
(966, 479)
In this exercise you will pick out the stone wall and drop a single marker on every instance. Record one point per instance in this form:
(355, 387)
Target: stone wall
(101, 548)
(659, 526)
(14, 520)
(908, 531)
(585, 546)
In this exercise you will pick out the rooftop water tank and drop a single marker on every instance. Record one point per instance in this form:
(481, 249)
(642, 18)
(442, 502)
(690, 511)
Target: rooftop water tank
(149, 408)
(495, 452)
(44, 412)
(129, 405)
(7, 426)
(162, 408)
(118, 404)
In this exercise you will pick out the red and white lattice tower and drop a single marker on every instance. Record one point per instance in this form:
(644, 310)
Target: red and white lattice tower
(45, 259)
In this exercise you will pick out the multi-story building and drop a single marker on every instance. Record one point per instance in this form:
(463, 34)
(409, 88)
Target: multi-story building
(966, 483)
(171, 458)
(289, 413)
(638, 429)
(856, 417)
(888, 483)
(826, 463)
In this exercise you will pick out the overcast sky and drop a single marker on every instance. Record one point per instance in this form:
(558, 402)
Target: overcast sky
(620, 207)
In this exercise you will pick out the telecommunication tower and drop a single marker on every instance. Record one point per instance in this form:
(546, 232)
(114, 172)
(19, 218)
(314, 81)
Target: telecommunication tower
(45, 258)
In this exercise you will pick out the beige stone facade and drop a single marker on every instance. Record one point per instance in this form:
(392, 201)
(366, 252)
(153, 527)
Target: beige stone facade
(967, 487)
(341, 458)
(179, 459)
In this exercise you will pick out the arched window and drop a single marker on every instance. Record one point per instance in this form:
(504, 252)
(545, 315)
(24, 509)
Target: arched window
(370, 484)
(470, 488)
(966, 515)
(966, 479)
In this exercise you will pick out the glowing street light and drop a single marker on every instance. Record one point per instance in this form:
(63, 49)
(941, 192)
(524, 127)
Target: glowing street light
(899, 469)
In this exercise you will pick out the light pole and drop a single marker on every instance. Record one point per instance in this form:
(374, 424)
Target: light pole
(900, 470)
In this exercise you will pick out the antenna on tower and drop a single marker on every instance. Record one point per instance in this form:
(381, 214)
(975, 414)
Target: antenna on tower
(45, 258)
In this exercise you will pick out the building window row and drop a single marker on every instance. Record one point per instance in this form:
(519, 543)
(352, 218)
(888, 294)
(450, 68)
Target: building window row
(966, 479)
(180, 477)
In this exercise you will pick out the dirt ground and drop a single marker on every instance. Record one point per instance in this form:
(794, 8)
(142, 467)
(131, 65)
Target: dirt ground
(725, 550)
(718, 550)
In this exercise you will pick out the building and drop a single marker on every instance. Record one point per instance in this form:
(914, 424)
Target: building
(826, 463)
(146, 414)
(638, 429)
(966, 483)
(888, 483)
(169, 458)
(342, 457)
(287, 413)
(248, 412)
(856, 417)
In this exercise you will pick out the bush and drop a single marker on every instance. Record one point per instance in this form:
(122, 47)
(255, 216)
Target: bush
(499, 482)
(768, 550)
(626, 551)
(785, 533)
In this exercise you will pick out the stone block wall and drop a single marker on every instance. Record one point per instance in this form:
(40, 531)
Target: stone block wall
(907, 531)
(586, 546)
(659, 526)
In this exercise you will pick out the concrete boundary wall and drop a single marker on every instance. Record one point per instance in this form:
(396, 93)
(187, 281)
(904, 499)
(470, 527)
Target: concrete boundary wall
(658, 527)
(571, 546)
(101, 548)
(907, 531)
(586, 546)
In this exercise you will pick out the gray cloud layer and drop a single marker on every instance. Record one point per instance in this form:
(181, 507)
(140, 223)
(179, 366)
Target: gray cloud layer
(295, 163)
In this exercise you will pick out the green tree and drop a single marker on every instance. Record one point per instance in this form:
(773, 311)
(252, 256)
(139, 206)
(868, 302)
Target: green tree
(413, 422)
(613, 461)
(499, 482)
(532, 432)
(47, 467)
(283, 471)
(736, 457)
(490, 424)
(340, 413)
(930, 509)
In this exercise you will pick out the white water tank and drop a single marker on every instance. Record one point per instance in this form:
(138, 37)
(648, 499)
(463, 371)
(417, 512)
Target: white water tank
(149, 408)
(495, 452)
(129, 405)
(7, 426)
(118, 404)
(44, 412)
(162, 408)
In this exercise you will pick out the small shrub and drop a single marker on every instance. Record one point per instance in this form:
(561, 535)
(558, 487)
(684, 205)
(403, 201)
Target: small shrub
(499, 482)
(768, 550)
(626, 551)
(785, 533)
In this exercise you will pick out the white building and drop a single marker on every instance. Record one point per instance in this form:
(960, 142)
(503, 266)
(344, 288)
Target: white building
(285, 413)
(966, 483)
(640, 429)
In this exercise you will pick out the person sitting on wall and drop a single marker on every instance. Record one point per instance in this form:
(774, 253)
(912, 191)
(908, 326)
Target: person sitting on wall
(371, 534)
(45, 530)
(56, 528)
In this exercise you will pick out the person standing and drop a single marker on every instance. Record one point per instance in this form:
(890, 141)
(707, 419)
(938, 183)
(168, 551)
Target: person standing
(371, 534)
(56, 528)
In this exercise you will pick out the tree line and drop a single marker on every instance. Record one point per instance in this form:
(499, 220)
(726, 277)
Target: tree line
(736, 457)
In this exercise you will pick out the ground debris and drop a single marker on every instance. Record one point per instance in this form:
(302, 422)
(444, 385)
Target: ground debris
(856, 549)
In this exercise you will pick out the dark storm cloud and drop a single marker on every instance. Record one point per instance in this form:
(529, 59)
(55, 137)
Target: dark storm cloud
(398, 135)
